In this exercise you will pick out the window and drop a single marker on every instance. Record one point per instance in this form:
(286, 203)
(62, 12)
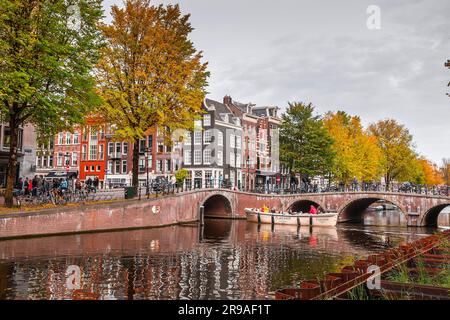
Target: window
(232, 159)
(118, 149)
(219, 158)
(101, 152)
(99, 168)
(60, 160)
(92, 168)
(93, 136)
(141, 164)
(76, 138)
(150, 141)
(207, 156)
(141, 146)
(124, 166)
(117, 167)
(238, 161)
(238, 142)
(50, 161)
(232, 141)
(220, 139)
(68, 137)
(188, 138)
(197, 124)
(187, 157)
(86, 168)
(198, 157)
(160, 147)
(150, 161)
(110, 167)
(207, 120)
(93, 152)
(168, 166)
(159, 166)
(74, 159)
(125, 148)
(197, 137)
(60, 138)
(207, 137)
(102, 133)
(110, 148)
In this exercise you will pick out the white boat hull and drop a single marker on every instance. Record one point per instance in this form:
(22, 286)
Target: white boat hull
(303, 219)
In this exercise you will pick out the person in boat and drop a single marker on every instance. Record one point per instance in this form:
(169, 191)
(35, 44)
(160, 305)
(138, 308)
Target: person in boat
(312, 210)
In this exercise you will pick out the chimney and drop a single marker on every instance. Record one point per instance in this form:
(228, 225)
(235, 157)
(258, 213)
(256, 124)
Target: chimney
(227, 100)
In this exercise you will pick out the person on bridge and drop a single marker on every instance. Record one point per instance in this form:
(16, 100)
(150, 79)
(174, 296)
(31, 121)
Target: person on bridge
(313, 210)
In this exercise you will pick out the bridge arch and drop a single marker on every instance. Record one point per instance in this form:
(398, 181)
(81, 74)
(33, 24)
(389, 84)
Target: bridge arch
(354, 209)
(430, 217)
(304, 205)
(217, 206)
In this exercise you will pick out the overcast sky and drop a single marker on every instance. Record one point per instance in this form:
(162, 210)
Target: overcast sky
(271, 52)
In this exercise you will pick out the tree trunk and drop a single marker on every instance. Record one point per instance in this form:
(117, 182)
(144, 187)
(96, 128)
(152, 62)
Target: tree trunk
(12, 161)
(135, 180)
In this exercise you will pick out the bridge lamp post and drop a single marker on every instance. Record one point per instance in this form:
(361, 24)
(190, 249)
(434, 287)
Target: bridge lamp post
(248, 172)
(147, 187)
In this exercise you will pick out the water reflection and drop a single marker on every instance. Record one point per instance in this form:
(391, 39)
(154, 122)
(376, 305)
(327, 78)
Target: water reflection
(225, 260)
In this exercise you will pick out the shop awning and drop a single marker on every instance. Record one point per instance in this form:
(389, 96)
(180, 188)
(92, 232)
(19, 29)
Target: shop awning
(62, 174)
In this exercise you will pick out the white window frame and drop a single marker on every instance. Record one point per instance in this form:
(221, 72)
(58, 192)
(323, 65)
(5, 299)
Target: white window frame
(207, 156)
(207, 120)
(232, 141)
(220, 139)
(207, 137)
(220, 158)
(188, 157)
(197, 138)
(197, 157)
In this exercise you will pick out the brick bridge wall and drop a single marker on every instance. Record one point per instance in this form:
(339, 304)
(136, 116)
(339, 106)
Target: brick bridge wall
(420, 210)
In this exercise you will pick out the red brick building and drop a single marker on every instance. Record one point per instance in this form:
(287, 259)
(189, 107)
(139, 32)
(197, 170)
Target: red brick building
(93, 151)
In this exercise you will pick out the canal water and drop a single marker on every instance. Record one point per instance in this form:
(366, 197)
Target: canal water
(224, 260)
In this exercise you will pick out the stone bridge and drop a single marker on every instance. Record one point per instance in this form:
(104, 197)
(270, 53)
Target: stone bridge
(419, 210)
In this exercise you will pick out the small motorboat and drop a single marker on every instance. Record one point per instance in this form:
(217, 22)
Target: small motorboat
(299, 219)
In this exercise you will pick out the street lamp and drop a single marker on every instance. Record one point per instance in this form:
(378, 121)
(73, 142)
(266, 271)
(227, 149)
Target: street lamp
(248, 172)
(147, 187)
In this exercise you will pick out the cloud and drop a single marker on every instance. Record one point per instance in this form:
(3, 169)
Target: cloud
(271, 52)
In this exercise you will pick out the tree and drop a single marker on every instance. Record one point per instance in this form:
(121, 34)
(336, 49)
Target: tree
(357, 152)
(181, 175)
(432, 175)
(47, 54)
(445, 170)
(149, 74)
(396, 144)
(304, 143)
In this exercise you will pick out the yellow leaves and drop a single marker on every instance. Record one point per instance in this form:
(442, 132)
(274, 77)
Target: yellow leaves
(357, 153)
(432, 175)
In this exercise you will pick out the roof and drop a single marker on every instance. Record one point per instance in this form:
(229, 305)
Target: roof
(219, 107)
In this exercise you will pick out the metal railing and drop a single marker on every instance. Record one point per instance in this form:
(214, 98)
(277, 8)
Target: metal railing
(304, 188)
